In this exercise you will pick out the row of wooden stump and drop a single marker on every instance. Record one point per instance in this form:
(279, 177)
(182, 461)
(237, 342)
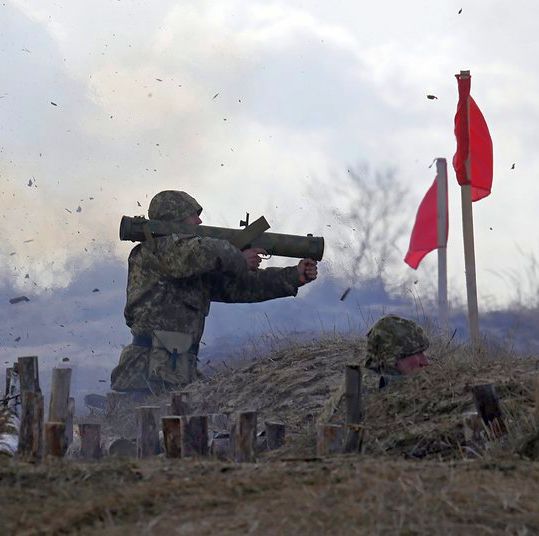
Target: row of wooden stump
(186, 435)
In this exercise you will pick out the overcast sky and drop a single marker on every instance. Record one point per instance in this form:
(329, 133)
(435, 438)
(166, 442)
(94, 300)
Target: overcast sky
(248, 105)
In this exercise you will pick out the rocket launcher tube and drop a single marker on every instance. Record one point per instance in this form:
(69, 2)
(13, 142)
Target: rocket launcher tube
(282, 245)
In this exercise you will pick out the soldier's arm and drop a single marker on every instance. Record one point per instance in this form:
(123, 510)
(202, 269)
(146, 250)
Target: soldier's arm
(255, 286)
(186, 257)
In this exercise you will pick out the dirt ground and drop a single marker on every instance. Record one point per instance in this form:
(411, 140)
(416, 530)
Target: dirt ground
(337, 495)
(416, 474)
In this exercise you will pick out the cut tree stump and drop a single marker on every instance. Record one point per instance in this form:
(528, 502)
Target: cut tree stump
(90, 441)
(275, 434)
(55, 439)
(194, 435)
(245, 437)
(329, 439)
(60, 383)
(172, 436)
(31, 427)
(147, 431)
(488, 407)
(354, 409)
(29, 373)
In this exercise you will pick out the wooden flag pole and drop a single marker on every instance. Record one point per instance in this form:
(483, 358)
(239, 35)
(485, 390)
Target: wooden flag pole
(469, 262)
(468, 235)
(441, 182)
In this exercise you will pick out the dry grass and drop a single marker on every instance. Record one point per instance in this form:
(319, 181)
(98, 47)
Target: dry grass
(341, 495)
(415, 476)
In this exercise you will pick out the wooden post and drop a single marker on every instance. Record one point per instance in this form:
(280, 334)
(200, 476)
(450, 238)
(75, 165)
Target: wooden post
(488, 407)
(354, 410)
(179, 403)
(69, 420)
(31, 427)
(90, 441)
(469, 261)
(469, 248)
(275, 434)
(31, 424)
(29, 373)
(441, 182)
(172, 436)
(245, 441)
(55, 439)
(147, 431)
(60, 382)
(194, 435)
(329, 439)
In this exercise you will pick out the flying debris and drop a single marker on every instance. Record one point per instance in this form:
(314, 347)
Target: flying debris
(159, 79)
(12, 253)
(17, 339)
(30, 182)
(102, 381)
(29, 240)
(27, 276)
(345, 293)
(215, 96)
(513, 166)
(460, 11)
(79, 209)
(65, 359)
(68, 210)
(95, 290)
(432, 97)
(54, 104)
(139, 204)
(19, 299)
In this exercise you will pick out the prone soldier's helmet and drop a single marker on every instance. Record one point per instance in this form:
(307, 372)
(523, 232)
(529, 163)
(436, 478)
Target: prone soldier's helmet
(393, 338)
(172, 205)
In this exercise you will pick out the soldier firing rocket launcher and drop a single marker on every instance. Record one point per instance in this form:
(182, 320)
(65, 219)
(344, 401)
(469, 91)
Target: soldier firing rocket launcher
(254, 235)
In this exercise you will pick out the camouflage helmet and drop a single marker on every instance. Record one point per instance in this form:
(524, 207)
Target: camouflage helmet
(393, 338)
(172, 205)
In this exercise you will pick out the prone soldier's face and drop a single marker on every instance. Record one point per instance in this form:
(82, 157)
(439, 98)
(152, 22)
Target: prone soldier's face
(412, 363)
(194, 219)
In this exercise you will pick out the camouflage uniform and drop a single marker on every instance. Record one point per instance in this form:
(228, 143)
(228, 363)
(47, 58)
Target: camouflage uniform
(390, 338)
(171, 282)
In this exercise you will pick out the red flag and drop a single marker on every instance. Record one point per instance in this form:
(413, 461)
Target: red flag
(473, 159)
(425, 232)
